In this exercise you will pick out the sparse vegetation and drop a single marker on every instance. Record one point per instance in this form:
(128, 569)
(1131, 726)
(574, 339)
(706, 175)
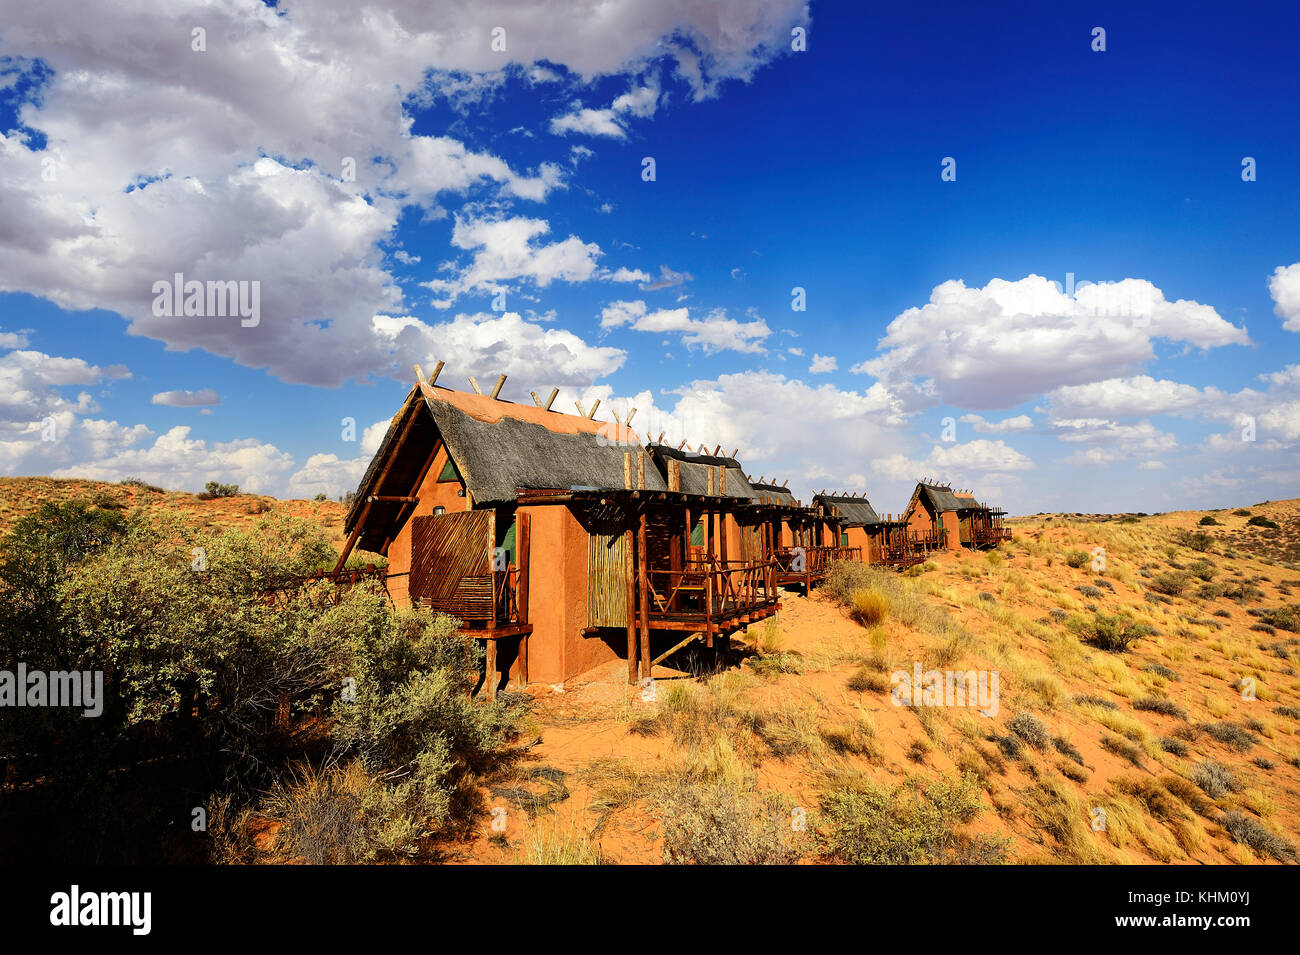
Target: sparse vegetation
(912, 823)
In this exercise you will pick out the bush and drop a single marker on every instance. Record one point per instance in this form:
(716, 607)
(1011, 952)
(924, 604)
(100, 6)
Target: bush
(1230, 734)
(866, 679)
(1242, 512)
(1208, 521)
(1076, 558)
(721, 823)
(1030, 729)
(1171, 745)
(1153, 704)
(1215, 779)
(1260, 520)
(212, 691)
(1247, 831)
(1169, 583)
(1159, 669)
(868, 606)
(1122, 747)
(912, 823)
(213, 490)
(1286, 617)
(1195, 540)
(1114, 633)
(1202, 569)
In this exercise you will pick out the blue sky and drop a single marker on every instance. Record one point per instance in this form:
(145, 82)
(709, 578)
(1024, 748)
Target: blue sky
(931, 344)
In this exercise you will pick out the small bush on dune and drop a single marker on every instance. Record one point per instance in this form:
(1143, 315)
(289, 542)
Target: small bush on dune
(1152, 704)
(912, 823)
(721, 823)
(1260, 520)
(213, 490)
(1230, 734)
(1030, 729)
(1170, 583)
(868, 606)
(1208, 521)
(867, 680)
(1114, 633)
(1076, 558)
(1215, 779)
(1171, 745)
(1249, 832)
(1195, 540)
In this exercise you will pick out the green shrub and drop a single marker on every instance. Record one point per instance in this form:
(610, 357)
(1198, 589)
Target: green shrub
(1170, 583)
(1114, 633)
(1208, 521)
(1260, 520)
(912, 823)
(217, 690)
(1076, 558)
(214, 490)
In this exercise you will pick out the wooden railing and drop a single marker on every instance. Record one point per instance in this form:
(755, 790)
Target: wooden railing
(712, 590)
(505, 595)
(846, 553)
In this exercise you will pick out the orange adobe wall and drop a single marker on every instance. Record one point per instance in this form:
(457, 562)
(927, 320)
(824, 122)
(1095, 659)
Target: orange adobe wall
(919, 521)
(953, 525)
(858, 537)
(557, 598)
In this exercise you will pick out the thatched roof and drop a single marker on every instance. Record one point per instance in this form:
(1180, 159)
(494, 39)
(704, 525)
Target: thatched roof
(942, 498)
(853, 511)
(774, 493)
(695, 472)
(498, 448)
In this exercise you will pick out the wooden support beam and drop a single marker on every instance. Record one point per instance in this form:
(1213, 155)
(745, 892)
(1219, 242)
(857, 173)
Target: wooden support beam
(352, 539)
(630, 415)
(523, 544)
(716, 450)
(631, 608)
(645, 598)
(592, 415)
(658, 440)
(682, 445)
(474, 384)
(722, 481)
(392, 499)
(617, 419)
(496, 389)
(419, 375)
(640, 470)
(437, 370)
(627, 470)
(581, 410)
(551, 400)
(667, 653)
(536, 400)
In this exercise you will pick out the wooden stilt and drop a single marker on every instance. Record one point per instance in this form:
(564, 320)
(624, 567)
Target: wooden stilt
(631, 610)
(645, 599)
